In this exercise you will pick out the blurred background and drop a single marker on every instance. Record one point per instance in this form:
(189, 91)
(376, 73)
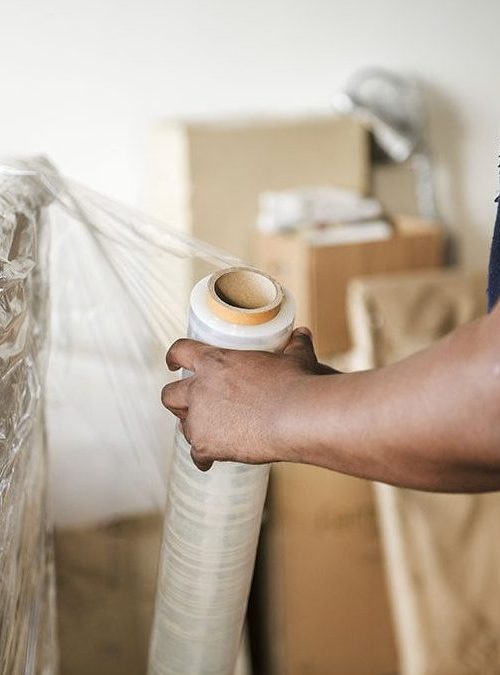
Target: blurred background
(84, 81)
(348, 148)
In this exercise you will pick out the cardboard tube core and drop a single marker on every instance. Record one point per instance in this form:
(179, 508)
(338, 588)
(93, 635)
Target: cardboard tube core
(243, 295)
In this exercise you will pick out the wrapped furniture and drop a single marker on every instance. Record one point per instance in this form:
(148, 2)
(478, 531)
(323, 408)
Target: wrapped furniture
(27, 600)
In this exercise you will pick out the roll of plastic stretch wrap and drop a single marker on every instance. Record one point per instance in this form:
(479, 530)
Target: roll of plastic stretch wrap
(213, 519)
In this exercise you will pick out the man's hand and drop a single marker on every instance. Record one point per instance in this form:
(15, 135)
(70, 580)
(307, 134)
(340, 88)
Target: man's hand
(237, 404)
(428, 422)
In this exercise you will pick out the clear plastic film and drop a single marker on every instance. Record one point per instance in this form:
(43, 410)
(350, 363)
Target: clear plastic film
(27, 618)
(119, 295)
(120, 284)
(212, 523)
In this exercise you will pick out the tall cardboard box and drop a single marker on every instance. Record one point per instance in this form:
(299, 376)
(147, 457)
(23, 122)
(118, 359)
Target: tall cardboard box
(325, 605)
(317, 275)
(206, 177)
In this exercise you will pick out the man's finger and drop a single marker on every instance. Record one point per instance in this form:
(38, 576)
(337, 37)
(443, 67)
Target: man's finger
(174, 395)
(185, 353)
(301, 346)
(201, 464)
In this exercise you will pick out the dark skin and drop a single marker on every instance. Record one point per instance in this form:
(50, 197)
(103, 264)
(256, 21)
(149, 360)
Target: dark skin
(428, 422)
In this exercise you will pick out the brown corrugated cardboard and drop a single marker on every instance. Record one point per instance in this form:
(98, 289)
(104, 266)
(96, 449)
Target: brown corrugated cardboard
(318, 275)
(326, 605)
(106, 582)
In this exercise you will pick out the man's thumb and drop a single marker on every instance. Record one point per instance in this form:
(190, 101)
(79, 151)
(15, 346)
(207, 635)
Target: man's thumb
(301, 345)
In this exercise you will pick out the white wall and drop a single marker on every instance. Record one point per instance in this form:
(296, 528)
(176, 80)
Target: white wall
(83, 79)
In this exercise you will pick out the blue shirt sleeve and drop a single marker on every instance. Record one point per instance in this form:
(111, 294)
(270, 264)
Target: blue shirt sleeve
(494, 266)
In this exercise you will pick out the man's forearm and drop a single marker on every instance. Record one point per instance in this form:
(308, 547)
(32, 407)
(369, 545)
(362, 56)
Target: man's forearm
(429, 422)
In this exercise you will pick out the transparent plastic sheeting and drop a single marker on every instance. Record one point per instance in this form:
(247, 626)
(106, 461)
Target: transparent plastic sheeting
(120, 285)
(119, 288)
(27, 619)
(212, 526)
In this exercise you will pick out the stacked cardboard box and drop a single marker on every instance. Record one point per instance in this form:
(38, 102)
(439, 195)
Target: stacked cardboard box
(318, 275)
(207, 177)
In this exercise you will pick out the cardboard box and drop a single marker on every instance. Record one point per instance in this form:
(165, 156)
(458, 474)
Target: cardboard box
(317, 276)
(325, 602)
(206, 177)
(394, 185)
(106, 584)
